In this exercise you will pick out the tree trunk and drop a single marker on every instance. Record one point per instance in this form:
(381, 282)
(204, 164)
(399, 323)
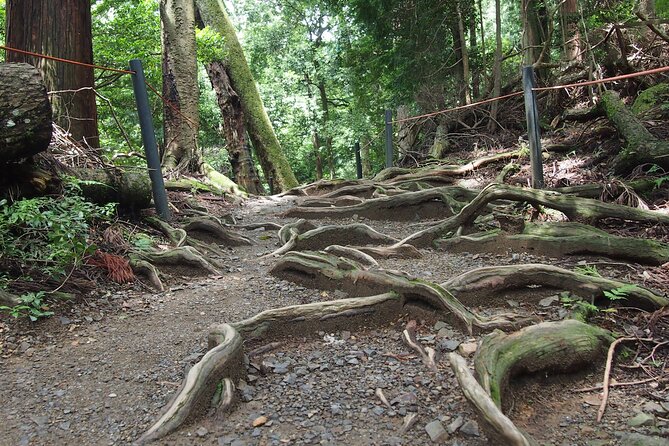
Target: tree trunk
(25, 112)
(274, 163)
(234, 129)
(180, 87)
(571, 31)
(465, 56)
(497, 68)
(440, 145)
(316, 141)
(131, 190)
(326, 119)
(366, 161)
(407, 132)
(476, 73)
(532, 32)
(641, 146)
(61, 29)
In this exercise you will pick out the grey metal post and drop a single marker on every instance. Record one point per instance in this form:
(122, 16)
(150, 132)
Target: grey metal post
(533, 130)
(358, 160)
(149, 140)
(389, 138)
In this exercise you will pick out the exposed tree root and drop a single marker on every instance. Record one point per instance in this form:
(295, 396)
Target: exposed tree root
(295, 228)
(427, 354)
(267, 226)
(321, 187)
(551, 346)
(182, 256)
(176, 236)
(323, 271)
(389, 252)
(320, 202)
(559, 239)
(352, 253)
(220, 234)
(429, 203)
(499, 429)
(194, 396)
(8, 299)
(572, 207)
(324, 236)
(484, 280)
(143, 268)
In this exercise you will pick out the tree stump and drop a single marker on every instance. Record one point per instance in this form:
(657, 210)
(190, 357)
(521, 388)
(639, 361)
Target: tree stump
(25, 112)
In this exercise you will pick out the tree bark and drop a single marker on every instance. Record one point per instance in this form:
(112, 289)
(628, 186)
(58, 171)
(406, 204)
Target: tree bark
(571, 31)
(61, 29)
(234, 128)
(497, 68)
(533, 38)
(641, 146)
(272, 159)
(180, 88)
(465, 56)
(25, 112)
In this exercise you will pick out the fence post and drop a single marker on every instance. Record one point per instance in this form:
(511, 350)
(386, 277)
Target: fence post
(389, 138)
(149, 140)
(358, 160)
(533, 130)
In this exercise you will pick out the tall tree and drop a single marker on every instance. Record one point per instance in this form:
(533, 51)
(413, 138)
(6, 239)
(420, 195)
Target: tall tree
(533, 35)
(275, 165)
(570, 30)
(496, 68)
(180, 88)
(60, 28)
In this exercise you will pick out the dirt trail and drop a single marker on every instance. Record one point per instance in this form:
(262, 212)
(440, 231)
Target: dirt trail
(101, 374)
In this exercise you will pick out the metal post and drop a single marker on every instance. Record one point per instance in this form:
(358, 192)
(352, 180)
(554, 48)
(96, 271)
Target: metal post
(389, 138)
(533, 130)
(270, 183)
(149, 140)
(358, 160)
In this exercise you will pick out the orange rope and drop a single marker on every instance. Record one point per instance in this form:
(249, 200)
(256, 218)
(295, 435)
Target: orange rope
(605, 80)
(485, 101)
(58, 59)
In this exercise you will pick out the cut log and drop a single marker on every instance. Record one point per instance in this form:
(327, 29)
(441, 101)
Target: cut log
(25, 112)
(559, 239)
(480, 282)
(641, 146)
(130, 189)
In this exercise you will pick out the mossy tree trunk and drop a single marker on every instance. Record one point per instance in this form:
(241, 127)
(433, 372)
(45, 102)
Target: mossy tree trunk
(274, 163)
(180, 87)
(641, 147)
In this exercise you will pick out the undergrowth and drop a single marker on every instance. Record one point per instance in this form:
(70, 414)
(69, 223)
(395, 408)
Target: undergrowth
(50, 234)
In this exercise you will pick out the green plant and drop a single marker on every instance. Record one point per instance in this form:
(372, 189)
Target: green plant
(587, 270)
(619, 293)
(32, 306)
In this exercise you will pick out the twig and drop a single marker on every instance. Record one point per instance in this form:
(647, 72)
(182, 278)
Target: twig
(607, 372)
(617, 384)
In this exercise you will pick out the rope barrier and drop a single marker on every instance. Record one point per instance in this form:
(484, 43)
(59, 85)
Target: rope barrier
(58, 59)
(605, 80)
(461, 107)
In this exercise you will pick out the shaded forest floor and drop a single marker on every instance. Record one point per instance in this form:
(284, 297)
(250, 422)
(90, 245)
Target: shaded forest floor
(101, 369)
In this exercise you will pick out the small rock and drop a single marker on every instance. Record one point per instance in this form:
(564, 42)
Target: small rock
(439, 325)
(455, 425)
(346, 335)
(634, 439)
(260, 421)
(201, 431)
(448, 345)
(436, 431)
(470, 428)
(548, 301)
(653, 407)
(112, 395)
(467, 348)
(642, 419)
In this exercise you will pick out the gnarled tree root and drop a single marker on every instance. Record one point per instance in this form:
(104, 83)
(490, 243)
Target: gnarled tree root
(183, 256)
(143, 268)
(572, 207)
(429, 203)
(559, 239)
(498, 427)
(194, 396)
(219, 233)
(324, 271)
(8, 299)
(320, 238)
(494, 278)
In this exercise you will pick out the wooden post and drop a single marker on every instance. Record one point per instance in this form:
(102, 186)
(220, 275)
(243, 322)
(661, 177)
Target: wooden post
(389, 138)
(358, 160)
(533, 130)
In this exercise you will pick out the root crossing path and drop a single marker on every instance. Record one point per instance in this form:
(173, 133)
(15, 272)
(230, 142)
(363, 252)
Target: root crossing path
(103, 370)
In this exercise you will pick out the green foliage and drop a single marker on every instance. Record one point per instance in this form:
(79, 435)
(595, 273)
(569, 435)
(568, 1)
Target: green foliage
(143, 242)
(3, 14)
(620, 293)
(49, 230)
(588, 270)
(32, 306)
